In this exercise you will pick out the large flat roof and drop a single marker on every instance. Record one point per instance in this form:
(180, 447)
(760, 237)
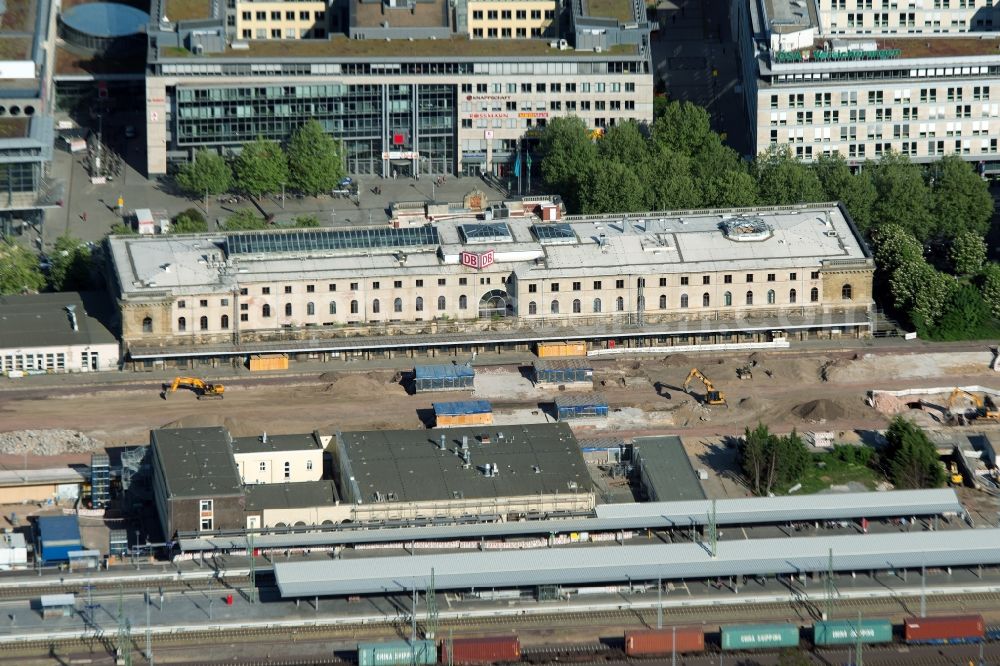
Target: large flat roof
(301, 495)
(421, 14)
(41, 320)
(410, 466)
(264, 443)
(667, 468)
(592, 564)
(196, 462)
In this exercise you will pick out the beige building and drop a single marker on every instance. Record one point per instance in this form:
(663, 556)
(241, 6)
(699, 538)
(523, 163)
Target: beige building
(280, 458)
(511, 19)
(285, 19)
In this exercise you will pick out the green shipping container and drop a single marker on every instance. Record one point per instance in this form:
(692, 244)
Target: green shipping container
(756, 636)
(397, 653)
(845, 632)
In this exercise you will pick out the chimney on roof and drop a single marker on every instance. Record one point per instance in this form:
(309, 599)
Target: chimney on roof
(441, 445)
(71, 309)
(263, 438)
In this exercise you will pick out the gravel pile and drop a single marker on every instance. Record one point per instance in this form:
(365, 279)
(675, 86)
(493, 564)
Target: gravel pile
(47, 442)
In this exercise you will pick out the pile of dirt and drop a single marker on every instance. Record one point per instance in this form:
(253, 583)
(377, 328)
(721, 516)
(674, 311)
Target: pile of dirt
(887, 404)
(819, 410)
(747, 403)
(676, 360)
(236, 427)
(47, 442)
(358, 386)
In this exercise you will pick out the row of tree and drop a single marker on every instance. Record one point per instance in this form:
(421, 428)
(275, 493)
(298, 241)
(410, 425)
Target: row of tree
(311, 163)
(771, 462)
(70, 267)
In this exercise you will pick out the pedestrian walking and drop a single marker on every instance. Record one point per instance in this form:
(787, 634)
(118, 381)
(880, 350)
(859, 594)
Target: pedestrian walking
(83, 216)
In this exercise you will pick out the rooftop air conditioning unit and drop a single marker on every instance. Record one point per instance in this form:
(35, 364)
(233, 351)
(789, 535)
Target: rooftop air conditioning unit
(598, 49)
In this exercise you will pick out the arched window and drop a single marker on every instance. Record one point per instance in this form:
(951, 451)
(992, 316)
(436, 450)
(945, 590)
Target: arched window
(597, 305)
(814, 295)
(770, 296)
(749, 298)
(792, 295)
(354, 307)
(727, 298)
(846, 292)
(441, 303)
(419, 304)
(397, 305)
(532, 308)
(182, 324)
(265, 311)
(620, 304)
(684, 300)
(333, 307)
(147, 325)
(705, 300)
(224, 322)
(663, 301)
(576, 306)
(376, 306)
(554, 308)
(203, 323)
(310, 308)
(463, 302)
(288, 309)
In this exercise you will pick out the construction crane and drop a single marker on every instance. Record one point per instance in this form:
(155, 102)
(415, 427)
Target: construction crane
(202, 389)
(713, 396)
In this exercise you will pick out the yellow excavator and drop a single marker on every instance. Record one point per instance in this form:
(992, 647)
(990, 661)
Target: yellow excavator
(984, 410)
(202, 389)
(955, 477)
(713, 396)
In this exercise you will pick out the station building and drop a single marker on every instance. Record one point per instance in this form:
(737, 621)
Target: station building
(461, 278)
(842, 76)
(411, 87)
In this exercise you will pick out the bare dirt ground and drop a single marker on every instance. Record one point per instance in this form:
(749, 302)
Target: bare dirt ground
(816, 391)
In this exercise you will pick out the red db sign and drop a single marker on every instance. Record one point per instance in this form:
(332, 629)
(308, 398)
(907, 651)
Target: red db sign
(477, 260)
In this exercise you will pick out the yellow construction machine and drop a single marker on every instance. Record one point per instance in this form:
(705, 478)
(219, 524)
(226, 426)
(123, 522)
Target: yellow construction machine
(955, 477)
(713, 396)
(202, 389)
(985, 409)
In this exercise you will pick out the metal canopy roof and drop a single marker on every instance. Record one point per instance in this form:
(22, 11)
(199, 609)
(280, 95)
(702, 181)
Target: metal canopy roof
(442, 371)
(593, 564)
(330, 239)
(610, 517)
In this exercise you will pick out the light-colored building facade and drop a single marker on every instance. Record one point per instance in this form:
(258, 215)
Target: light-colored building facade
(511, 19)
(280, 458)
(823, 84)
(270, 19)
(674, 271)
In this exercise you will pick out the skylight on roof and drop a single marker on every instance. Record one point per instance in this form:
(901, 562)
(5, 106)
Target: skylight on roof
(489, 232)
(554, 234)
(264, 242)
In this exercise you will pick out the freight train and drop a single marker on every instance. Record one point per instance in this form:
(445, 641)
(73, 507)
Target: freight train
(941, 630)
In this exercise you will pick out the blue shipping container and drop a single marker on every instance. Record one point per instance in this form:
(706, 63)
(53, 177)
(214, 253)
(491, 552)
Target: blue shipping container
(397, 653)
(462, 407)
(443, 377)
(57, 536)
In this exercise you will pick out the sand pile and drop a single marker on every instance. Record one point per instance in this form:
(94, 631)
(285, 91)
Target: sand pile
(358, 386)
(819, 410)
(887, 404)
(47, 442)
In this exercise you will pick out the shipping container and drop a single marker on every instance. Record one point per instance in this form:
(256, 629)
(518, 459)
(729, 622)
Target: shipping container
(564, 371)
(464, 413)
(664, 641)
(485, 650)
(557, 349)
(993, 632)
(944, 629)
(443, 377)
(574, 406)
(260, 362)
(397, 653)
(756, 636)
(845, 632)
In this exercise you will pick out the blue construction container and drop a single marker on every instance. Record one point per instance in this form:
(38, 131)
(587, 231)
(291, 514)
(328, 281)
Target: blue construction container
(464, 413)
(584, 405)
(443, 377)
(563, 371)
(57, 536)
(397, 653)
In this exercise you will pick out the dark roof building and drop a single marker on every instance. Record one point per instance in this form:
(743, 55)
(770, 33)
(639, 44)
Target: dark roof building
(307, 494)
(276, 443)
(665, 470)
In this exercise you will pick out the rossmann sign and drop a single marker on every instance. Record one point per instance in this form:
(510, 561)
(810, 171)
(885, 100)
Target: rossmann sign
(477, 259)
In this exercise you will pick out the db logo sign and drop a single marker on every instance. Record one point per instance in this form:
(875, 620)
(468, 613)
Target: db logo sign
(477, 260)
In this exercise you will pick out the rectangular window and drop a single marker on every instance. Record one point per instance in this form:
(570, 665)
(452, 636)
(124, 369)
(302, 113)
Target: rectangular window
(288, 289)
(263, 466)
(420, 283)
(663, 282)
(310, 288)
(577, 286)
(532, 288)
(597, 284)
(265, 290)
(354, 286)
(771, 277)
(332, 286)
(727, 279)
(684, 281)
(224, 302)
(181, 304)
(793, 276)
(555, 286)
(706, 279)
(243, 291)
(442, 282)
(244, 317)
(749, 277)
(619, 284)
(463, 281)
(205, 506)
(814, 275)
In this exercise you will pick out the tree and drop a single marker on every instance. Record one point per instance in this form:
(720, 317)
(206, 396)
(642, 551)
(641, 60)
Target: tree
(685, 128)
(190, 221)
(911, 459)
(990, 285)
(244, 220)
(625, 144)
(305, 221)
(769, 461)
(261, 168)
(209, 173)
(119, 229)
(729, 189)
(922, 292)
(894, 246)
(856, 191)
(19, 270)
(961, 198)
(965, 312)
(967, 253)
(567, 153)
(70, 265)
(783, 179)
(903, 197)
(611, 188)
(669, 184)
(315, 160)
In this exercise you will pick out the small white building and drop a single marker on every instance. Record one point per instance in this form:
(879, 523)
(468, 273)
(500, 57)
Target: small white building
(58, 332)
(280, 458)
(13, 551)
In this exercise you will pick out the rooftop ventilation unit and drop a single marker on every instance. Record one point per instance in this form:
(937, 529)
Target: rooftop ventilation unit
(71, 309)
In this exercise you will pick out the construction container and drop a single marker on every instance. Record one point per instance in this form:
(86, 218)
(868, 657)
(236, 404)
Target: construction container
(397, 653)
(57, 536)
(846, 632)
(758, 636)
(557, 349)
(576, 406)
(664, 641)
(465, 413)
(944, 629)
(485, 650)
(564, 371)
(443, 378)
(259, 362)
